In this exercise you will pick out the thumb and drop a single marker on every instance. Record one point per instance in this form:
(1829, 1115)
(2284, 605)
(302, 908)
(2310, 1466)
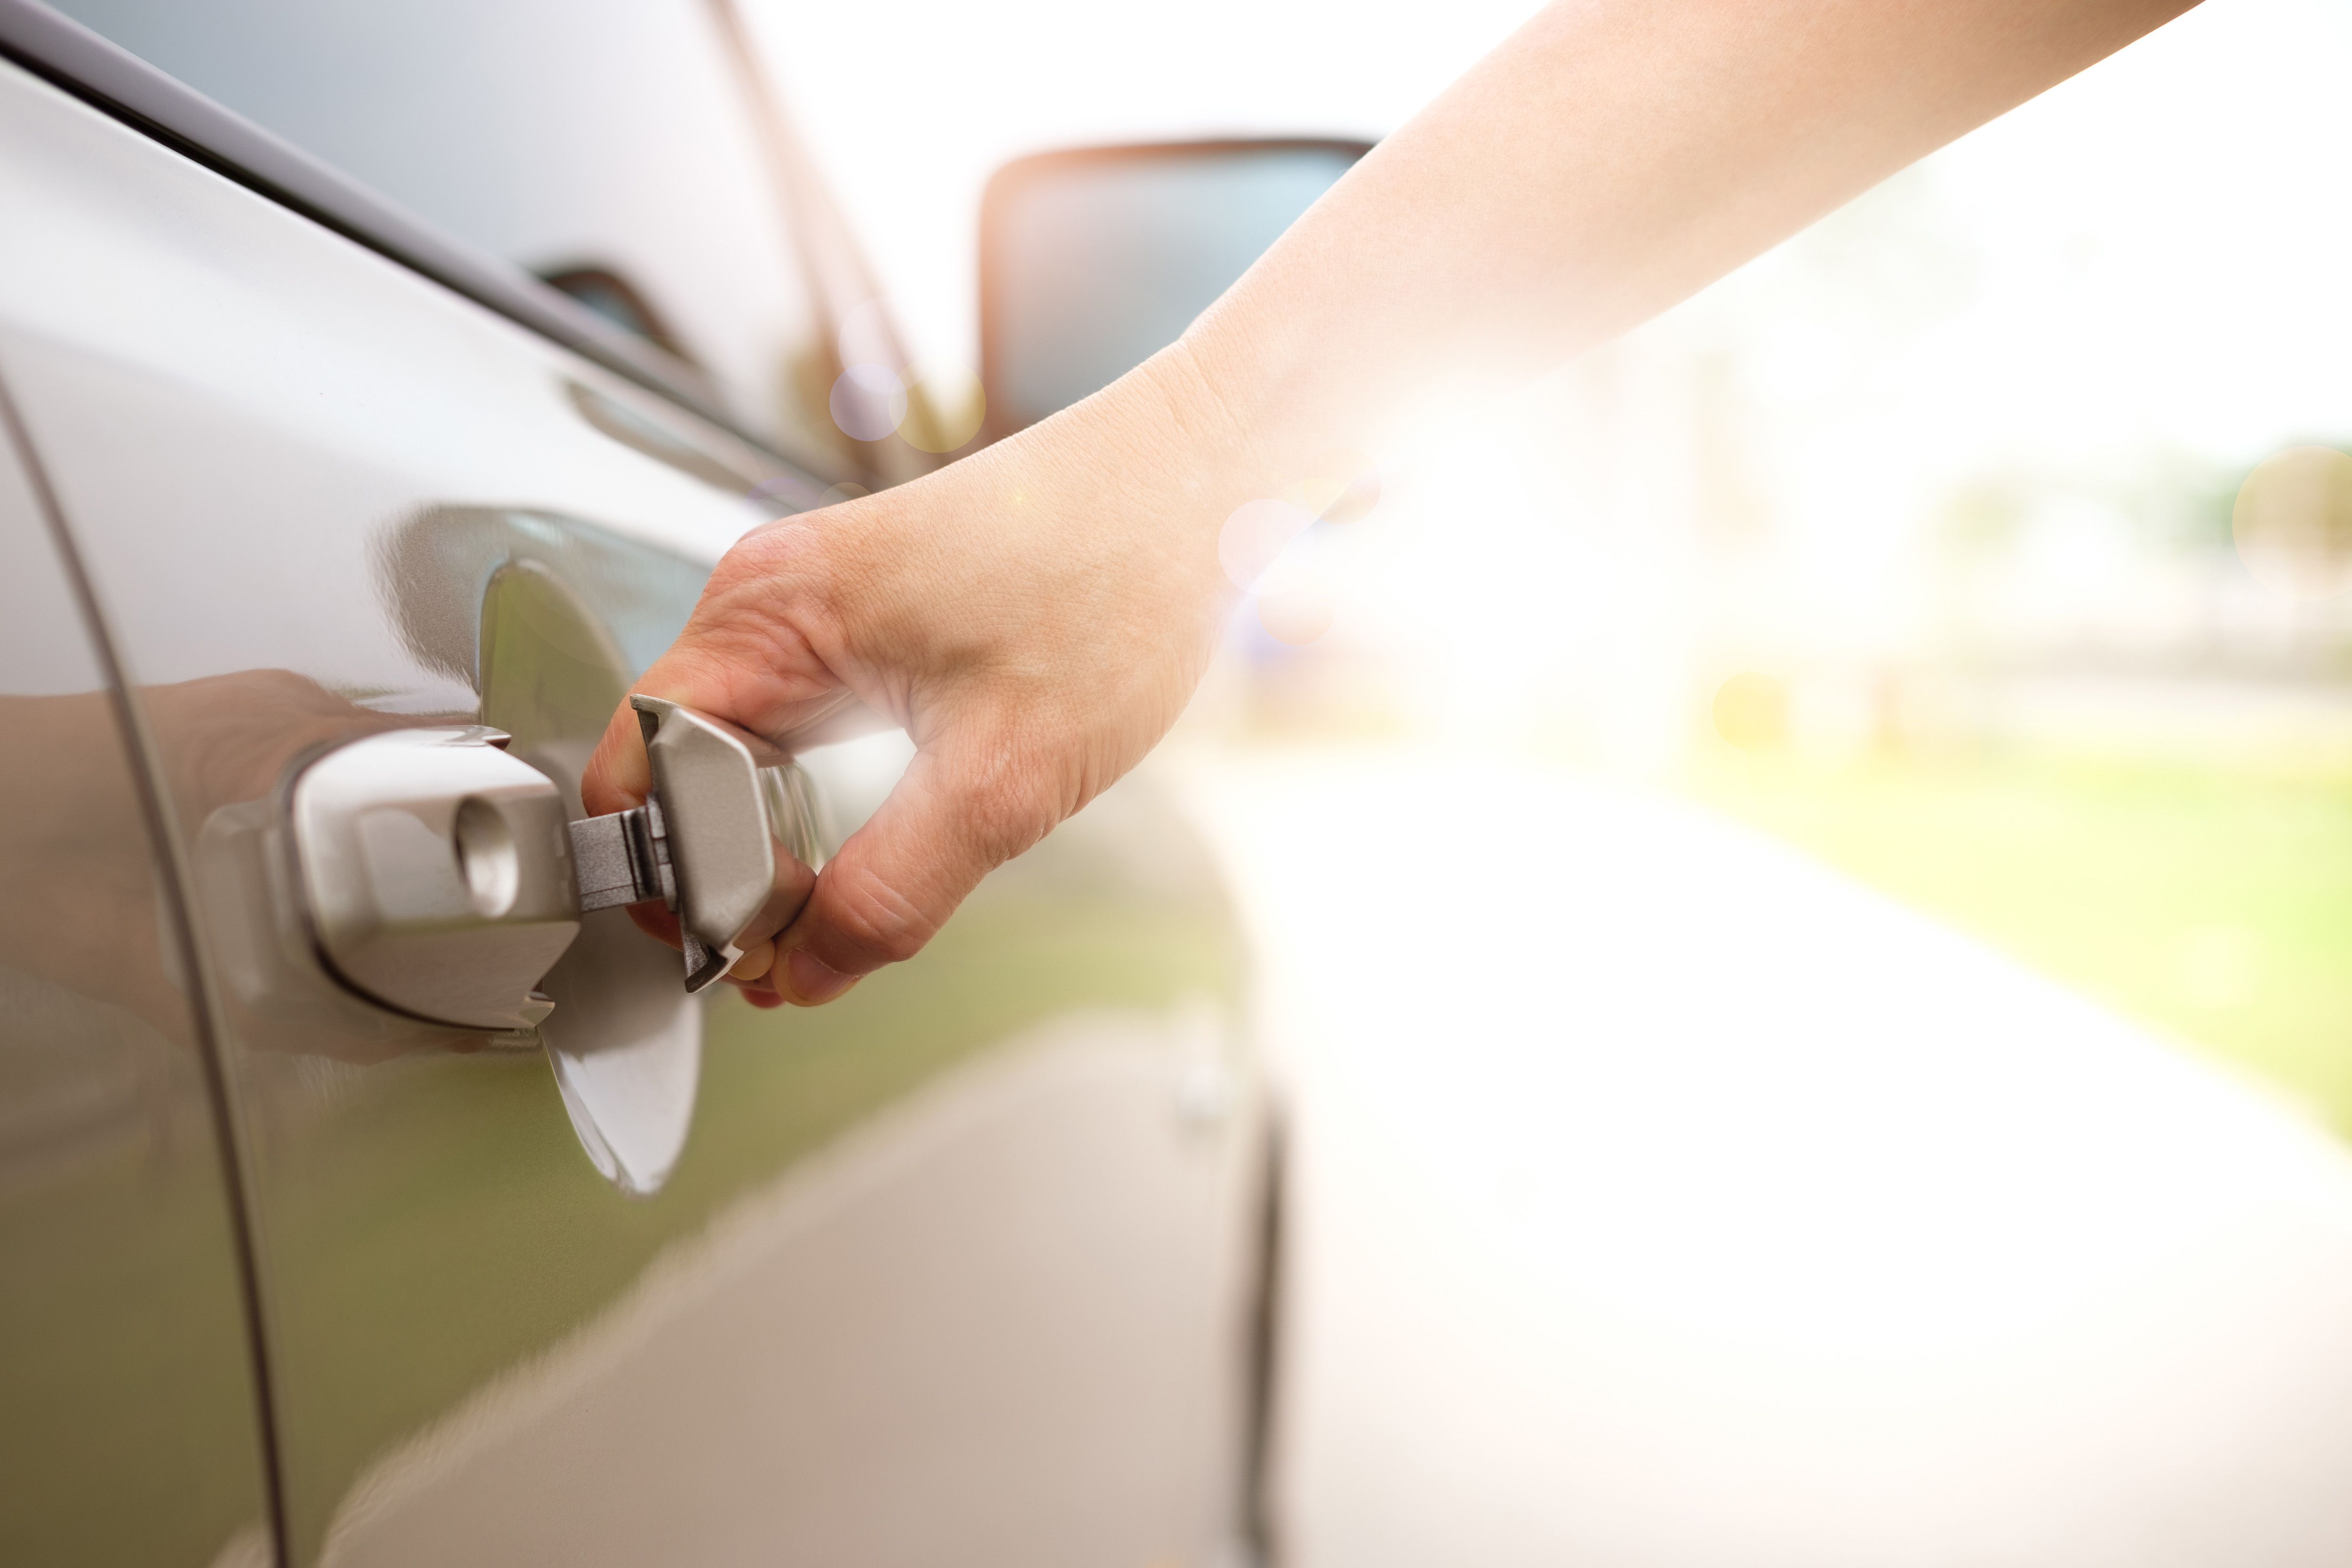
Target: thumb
(792, 705)
(617, 776)
(953, 817)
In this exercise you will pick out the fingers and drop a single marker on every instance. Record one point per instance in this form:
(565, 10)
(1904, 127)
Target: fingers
(891, 887)
(789, 895)
(951, 819)
(786, 897)
(745, 656)
(617, 776)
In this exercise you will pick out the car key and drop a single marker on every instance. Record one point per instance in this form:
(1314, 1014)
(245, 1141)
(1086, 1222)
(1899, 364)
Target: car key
(704, 842)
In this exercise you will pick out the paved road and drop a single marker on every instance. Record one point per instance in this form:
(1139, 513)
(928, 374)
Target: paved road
(1665, 1199)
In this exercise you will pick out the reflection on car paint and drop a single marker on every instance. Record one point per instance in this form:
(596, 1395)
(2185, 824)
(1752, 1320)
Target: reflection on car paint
(736, 468)
(622, 601)
(123, 1337)
(856, 1270)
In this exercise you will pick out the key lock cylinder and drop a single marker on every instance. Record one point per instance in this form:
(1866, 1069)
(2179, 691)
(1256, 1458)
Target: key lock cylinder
(439, 876)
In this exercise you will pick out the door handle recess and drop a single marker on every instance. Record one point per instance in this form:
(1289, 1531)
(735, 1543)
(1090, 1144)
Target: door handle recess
(439, 876)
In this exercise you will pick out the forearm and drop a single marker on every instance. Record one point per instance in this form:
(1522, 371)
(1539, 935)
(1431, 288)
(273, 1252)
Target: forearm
(1610, 159)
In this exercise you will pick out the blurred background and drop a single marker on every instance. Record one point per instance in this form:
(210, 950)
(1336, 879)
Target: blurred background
(1803, 863)
(1980, 541)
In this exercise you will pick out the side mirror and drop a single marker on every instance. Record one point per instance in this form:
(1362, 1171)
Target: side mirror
(1091, 261)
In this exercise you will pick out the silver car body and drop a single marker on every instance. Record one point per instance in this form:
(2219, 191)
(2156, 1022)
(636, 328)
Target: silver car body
(961, 1269)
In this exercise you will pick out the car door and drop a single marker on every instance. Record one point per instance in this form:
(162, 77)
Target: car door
(954, 1270)
(126, 1364)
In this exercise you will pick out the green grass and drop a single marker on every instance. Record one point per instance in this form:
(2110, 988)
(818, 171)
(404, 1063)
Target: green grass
(2214, 903)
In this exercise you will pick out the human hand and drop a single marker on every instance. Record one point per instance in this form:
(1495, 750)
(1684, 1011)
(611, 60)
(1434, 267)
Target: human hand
(1035, 616)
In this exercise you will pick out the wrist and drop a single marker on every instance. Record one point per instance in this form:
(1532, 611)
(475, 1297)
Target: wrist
(1170, 449)
(1216, 446)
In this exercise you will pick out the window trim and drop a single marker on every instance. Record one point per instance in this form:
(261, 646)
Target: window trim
(120, 85)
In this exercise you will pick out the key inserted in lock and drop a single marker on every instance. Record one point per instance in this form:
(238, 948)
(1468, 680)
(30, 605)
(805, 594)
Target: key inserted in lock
(704, 843)
(437, 877)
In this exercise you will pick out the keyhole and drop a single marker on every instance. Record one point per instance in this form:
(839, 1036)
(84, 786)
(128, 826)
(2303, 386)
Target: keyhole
(487, 857)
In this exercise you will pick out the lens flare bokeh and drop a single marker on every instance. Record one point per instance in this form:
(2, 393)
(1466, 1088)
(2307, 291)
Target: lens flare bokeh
(868, 402)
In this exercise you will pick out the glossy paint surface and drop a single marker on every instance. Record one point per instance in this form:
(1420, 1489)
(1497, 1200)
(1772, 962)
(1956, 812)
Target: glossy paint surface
(123, 1342)
(954, 1270)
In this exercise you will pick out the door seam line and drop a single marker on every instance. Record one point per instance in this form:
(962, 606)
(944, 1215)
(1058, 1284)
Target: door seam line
(172, 868)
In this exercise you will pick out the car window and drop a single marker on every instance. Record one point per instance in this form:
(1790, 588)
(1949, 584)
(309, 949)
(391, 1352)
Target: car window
(601, 144)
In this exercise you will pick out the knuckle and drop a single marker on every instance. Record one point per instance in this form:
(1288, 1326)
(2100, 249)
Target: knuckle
(1004, 815)
(1010, 787)
(881, 923)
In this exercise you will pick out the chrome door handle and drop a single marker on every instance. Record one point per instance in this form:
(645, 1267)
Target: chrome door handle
(436, 875)
(439, 875)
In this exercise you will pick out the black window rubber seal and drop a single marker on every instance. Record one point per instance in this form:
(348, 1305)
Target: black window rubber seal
(118, 83)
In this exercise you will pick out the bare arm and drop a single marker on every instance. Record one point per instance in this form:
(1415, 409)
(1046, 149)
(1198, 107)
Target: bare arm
(1608, 160)
(1038, 616)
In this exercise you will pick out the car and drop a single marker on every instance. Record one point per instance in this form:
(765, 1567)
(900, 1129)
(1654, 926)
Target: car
(401, 372)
